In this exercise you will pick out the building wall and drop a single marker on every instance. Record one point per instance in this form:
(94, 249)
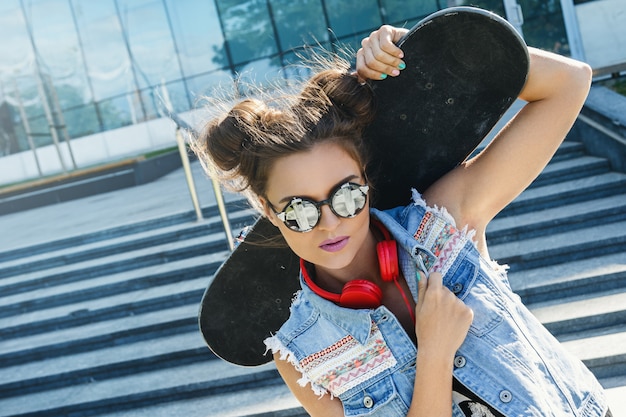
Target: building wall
(94, 73)
(603, 31)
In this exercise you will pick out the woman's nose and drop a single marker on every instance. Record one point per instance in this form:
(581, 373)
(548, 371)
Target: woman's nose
(328, 219)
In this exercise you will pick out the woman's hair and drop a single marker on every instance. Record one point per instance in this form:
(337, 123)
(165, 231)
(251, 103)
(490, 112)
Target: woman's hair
(240, 147)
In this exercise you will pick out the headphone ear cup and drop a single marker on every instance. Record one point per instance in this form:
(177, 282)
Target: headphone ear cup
(360, 293)
(388, 259)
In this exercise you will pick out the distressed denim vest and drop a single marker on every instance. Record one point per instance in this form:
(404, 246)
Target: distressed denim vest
(366, 359)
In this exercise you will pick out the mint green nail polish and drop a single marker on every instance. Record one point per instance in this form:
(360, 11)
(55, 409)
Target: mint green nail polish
(383, 76)
(402, 65)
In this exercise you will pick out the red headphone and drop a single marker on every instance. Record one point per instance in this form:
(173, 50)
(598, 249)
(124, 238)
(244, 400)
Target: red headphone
(360, 293)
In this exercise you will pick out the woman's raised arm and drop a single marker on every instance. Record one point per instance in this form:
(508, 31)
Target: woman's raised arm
(479, 189)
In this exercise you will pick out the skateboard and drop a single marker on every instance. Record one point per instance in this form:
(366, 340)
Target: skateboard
(465, 67)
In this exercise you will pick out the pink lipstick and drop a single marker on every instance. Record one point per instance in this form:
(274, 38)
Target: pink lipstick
(334, 245)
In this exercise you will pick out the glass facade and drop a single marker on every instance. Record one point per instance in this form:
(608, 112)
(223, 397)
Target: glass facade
(71, 68)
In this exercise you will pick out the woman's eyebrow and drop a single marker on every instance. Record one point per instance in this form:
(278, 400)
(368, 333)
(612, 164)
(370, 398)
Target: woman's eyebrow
(343, 181)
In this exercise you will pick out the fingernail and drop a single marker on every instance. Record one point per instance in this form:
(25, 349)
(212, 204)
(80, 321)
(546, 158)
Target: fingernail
(402, 65)
(418, 276)
(383, 76)
(395, 72)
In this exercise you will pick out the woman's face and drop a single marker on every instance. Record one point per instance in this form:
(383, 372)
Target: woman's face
(334, 242)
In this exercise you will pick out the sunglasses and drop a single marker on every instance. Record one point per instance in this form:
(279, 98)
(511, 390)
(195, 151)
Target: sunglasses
(302, 214)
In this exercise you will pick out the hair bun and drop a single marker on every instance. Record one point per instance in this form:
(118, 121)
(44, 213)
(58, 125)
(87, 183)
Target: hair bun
(345, 93)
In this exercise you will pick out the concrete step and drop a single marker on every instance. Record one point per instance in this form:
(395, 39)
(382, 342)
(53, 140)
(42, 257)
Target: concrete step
(113, 264)
(118, 231)
(562, 247)
(95, 336)
(121, 244)
(78, 312)
(598, 274)
(569, 149)
(596, 314)
(109, 285)
(197, 380)
(604, 354)
(571, 168)
(584, 214)
(567, 192)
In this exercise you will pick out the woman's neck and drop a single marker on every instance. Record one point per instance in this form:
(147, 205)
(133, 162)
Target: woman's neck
(363, 266)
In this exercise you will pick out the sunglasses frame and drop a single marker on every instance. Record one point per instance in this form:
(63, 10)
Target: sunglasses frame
(282, 215)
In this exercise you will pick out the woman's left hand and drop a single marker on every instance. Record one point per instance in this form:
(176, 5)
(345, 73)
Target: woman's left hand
(379, 56)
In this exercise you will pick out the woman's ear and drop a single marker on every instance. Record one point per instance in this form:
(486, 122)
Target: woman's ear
(268, 212)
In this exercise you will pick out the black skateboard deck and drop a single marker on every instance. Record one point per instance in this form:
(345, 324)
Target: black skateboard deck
(465, 67)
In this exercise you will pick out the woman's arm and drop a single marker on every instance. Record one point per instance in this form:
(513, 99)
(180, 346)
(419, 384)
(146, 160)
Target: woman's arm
(315, 405)
(478, 190)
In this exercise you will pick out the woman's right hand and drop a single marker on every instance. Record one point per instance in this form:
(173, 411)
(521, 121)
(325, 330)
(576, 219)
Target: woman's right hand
(379, 56)
(442, 319)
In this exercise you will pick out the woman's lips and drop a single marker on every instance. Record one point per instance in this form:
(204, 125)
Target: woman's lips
(335, 245)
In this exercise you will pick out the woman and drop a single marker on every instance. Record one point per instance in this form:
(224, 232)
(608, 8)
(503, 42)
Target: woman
(447, 336)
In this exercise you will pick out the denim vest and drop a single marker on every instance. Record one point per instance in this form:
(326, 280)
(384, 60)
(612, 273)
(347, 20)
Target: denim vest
(366, 359)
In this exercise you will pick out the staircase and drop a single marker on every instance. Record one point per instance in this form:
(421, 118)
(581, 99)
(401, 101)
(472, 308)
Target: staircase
(105, 323)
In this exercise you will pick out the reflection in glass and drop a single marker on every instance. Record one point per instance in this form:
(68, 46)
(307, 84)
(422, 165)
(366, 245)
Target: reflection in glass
(215, 84)
(248, 30)
(106, 55)
(147, 32)
(405, 13)
(263, 74)
(293, 30)
(544, 26)
(58, 50)
(352, 16)
(198, 35)
(118, 111)
(82, 121)
(156, 100)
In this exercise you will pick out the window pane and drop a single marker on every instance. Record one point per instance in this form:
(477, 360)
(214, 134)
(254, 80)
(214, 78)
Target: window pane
(215, 84)
(156, 99)
(40, 130)
(295, 69)
(106, 55)
(119, 111)
(248, 29)
(9, 142)
(58, 49)
(496, 6)
(299, 22)
(407, 13)
(81, 121)
(258, 74)
(544, 26)
(351, 16)
(16, 55)
(198, 35)
(150, 41)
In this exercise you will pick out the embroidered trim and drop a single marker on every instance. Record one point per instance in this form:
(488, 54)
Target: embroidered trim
(438, 233)
(347, 363)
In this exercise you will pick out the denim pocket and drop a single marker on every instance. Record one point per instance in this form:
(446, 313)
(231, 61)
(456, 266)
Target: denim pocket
(378, 399)
(480, 294)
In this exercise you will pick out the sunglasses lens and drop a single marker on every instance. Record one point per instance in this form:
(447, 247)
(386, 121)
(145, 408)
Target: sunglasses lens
(301, 215)
(348, 200)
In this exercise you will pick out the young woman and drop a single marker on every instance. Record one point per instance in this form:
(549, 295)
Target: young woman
(448, 336)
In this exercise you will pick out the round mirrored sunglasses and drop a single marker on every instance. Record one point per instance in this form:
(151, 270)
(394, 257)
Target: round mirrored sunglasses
(303, 214)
